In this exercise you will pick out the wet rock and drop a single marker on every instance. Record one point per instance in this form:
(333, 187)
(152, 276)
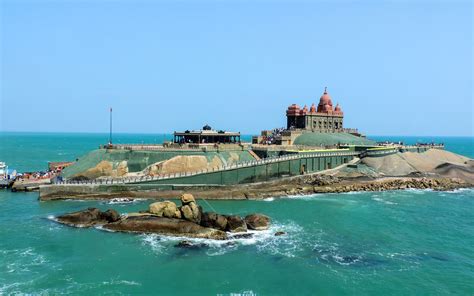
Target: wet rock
(280, 233)
(85, 218)
(214, 220)
(190, 245)
(164, 209)
(111, 215)
(165, 226)
(241, 236)
(257, 221)
(236, 224)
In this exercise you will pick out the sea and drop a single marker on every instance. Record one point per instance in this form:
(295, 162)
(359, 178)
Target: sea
(410, 242)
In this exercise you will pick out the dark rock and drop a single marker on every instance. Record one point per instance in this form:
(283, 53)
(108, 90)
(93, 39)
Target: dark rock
(189, 245)
(85, 218)
(110, 215)
(165, 226)
(214, 220)
(257, 222)
(241, 235)
(279, 233)
(236, 224)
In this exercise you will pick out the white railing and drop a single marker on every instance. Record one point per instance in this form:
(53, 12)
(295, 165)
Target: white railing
(144, 179)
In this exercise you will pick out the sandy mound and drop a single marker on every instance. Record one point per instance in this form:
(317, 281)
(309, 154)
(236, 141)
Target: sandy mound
(436, 161)
(390, 165)
(182, 163)
(456, 171)
(429, 160)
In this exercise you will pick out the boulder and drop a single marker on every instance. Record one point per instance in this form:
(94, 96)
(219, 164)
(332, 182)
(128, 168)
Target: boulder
(84, 218)
(191, 212)
(187, 198)
(189, 245)
(166, 209)
(111, 215)
(165, 226)
(236, 224)
(257, 221)
(241, 236)
(214, 220)
(280, 233)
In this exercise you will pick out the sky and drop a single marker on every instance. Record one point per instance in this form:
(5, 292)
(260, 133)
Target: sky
(395, 67)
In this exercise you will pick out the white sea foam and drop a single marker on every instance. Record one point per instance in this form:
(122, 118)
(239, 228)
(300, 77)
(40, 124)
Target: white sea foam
(460, 190)
(121, 282)
(22, 260)
(264, 240)
(123, 200)
(384, 201)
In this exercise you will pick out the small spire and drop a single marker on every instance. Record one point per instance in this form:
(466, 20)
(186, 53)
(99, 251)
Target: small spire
(325, 89)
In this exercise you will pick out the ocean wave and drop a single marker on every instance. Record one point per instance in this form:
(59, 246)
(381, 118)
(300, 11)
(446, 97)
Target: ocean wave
(384, 201)
(460, 190)
(115, 282)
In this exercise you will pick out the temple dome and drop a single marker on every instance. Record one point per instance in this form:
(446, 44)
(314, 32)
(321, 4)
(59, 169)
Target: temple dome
(325, 102)
(325, 99)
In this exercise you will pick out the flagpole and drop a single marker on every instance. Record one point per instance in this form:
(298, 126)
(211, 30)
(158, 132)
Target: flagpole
(110, 134)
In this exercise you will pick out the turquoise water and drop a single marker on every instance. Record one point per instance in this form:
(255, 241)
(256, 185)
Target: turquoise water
(395, 243)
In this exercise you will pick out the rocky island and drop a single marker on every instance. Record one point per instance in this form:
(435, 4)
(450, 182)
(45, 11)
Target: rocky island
(166, 218)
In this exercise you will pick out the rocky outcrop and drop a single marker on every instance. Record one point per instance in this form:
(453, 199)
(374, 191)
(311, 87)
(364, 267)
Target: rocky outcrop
(89, 217)
(182, 163)
(167, 219)
(257, 222)
(165, 226)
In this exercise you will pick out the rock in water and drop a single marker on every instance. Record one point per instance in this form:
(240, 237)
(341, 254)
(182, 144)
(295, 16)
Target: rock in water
(236, 224)
(187, 198)
(166, 209)
(257, 221)
(85, 218)
(189, 245)
(191, 212)
(165, 226)
(280, 233)
(111, 215)
(214, 220)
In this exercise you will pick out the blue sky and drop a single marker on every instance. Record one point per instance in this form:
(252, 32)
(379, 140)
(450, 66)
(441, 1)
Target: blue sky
(396, 67)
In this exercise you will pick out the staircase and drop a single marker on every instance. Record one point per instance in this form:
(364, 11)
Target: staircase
(254, 155)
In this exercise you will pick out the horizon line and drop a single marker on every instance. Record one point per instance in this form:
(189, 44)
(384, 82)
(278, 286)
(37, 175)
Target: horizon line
(245, 134)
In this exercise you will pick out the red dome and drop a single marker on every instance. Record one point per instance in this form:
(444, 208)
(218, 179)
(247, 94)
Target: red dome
(312, 109)
(338, 109)
(325, 102)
